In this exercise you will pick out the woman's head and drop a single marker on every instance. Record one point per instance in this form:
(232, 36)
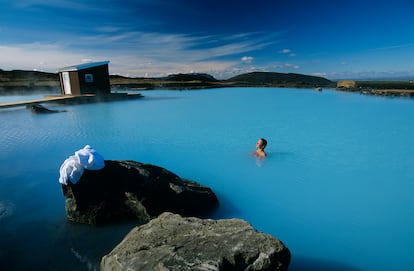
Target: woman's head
(261, 143)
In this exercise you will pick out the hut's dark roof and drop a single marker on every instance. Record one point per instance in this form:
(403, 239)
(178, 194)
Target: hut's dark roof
(83, 66)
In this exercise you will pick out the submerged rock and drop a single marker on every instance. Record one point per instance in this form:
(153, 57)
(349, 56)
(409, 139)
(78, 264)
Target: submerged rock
(129, 189)
(40, 109)
(171, 242)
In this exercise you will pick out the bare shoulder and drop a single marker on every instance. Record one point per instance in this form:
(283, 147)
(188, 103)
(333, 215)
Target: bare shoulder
(260, 154)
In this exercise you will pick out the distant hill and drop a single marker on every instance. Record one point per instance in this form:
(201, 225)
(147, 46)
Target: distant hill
(20, 80)
(29, 81)
(275, 78)
(173, 81)
(203, 77)
(21, 75)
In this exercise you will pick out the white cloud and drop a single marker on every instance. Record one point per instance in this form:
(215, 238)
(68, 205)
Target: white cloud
(320, 74)
(287, 52)
(392, 47)
(50, 58)
(247, 59)
(168, 47)
(289, 65)
(135, 53)
(64, 4)
(36, 56)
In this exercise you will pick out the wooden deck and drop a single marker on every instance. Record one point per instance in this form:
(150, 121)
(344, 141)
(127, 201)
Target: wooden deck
(70, 99)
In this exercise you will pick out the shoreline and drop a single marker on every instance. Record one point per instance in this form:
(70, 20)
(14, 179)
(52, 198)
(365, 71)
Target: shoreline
(389, 92)
(18, 82)
(39, 89)
(375, 88)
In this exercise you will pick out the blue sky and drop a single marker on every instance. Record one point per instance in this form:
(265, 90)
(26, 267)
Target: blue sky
(335, 39)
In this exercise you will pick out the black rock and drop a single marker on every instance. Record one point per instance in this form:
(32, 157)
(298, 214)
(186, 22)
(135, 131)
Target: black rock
(128, 189)
(40, 109)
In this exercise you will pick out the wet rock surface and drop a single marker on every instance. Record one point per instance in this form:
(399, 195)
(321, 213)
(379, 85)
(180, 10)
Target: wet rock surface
(171, 242)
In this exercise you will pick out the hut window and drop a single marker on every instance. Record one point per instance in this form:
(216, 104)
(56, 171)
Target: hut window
(89, 78)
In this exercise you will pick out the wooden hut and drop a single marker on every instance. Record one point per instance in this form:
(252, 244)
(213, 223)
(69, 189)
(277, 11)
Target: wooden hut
(87, 78)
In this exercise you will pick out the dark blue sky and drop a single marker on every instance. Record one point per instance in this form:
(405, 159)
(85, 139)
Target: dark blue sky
(333, 39)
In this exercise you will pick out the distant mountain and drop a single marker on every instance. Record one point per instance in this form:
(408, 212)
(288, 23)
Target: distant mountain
(203, 77)
(21, 75)
(23, 81)
(275, 78)
(20, 80)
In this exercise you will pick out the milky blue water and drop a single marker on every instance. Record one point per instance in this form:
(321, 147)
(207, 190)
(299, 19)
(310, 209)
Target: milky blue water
(337, 185)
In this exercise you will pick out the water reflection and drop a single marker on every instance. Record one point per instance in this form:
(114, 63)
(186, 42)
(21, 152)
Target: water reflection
(310, 264)
(338, 173)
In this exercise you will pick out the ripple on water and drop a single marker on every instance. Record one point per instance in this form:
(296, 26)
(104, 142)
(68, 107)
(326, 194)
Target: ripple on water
(6, 209)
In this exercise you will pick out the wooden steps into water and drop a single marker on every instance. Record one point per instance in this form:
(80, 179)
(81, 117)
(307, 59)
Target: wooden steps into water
(72, 99)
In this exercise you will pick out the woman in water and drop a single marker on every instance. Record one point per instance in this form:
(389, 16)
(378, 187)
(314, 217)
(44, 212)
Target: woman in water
(260, 146)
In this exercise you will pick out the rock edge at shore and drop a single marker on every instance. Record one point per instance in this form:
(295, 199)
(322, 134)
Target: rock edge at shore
(171, 242)
(127, 189)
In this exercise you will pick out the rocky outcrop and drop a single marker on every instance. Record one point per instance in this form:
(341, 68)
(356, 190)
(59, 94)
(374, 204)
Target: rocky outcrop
(40, 109)
(346, 84)
(171, 242)
(129, 189)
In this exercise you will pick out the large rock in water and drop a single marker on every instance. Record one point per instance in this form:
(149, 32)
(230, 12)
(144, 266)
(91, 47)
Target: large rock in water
(129, 189)
(171, 242)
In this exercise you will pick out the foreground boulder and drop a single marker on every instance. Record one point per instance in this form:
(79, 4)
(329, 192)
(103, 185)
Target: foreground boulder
(171, 242)
(128, 189)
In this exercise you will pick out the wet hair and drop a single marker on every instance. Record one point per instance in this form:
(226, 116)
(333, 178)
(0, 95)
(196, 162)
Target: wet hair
(264, 141)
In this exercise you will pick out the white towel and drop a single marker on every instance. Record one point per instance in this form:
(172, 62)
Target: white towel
(90, 158)
(73, 167)
(70, 170)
